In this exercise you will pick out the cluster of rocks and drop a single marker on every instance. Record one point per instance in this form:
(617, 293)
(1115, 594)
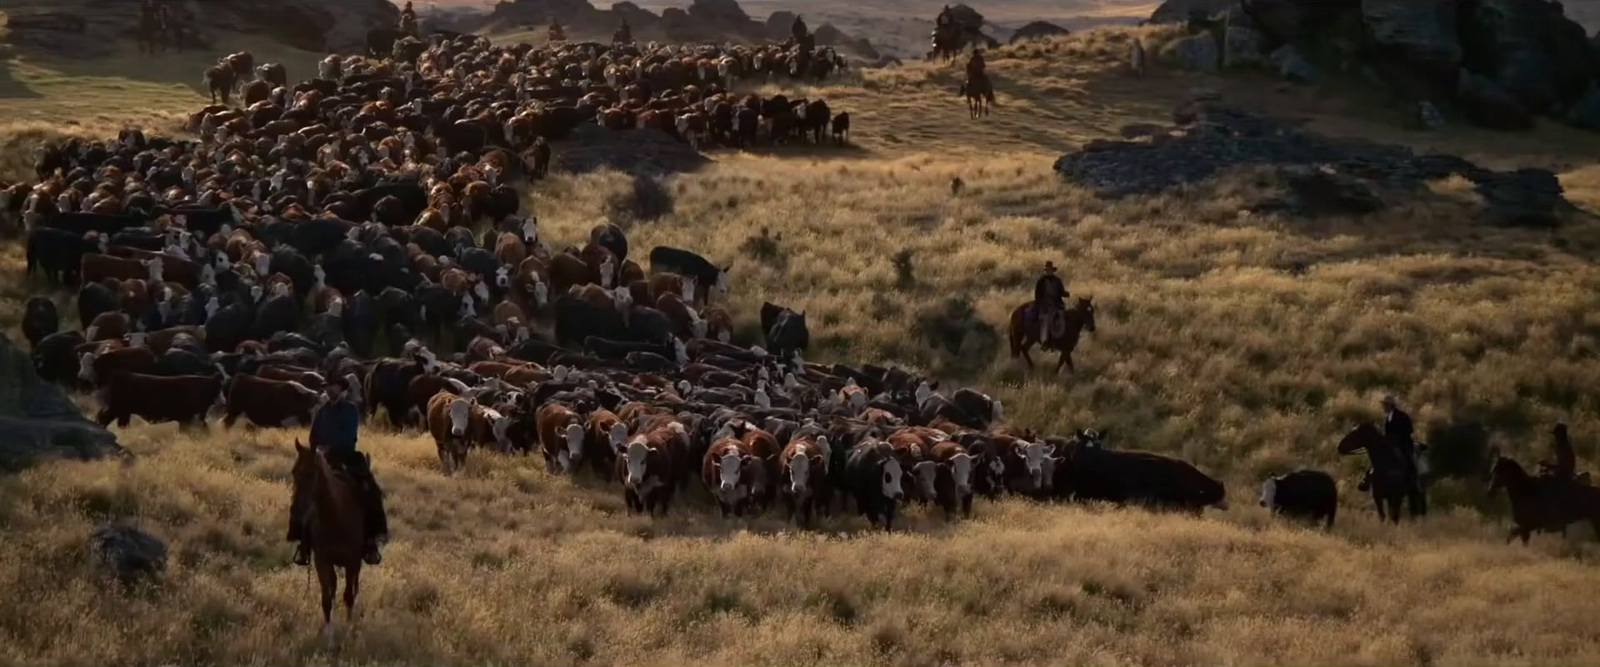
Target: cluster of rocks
(1497, 63)
(39, 421)
(127, 554)
(87, 29)
(1321, 175)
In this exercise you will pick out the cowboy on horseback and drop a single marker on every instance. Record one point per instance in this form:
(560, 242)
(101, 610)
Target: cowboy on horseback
(946, 17)
(557, 34)
(1565, 467)
(333, 430)
(798, 29)
(408, 20)
(1049, 302)
(975, 66)
(623, 35)
(1399, 432)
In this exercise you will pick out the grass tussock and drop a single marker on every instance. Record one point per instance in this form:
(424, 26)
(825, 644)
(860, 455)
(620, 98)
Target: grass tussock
(1244, 343)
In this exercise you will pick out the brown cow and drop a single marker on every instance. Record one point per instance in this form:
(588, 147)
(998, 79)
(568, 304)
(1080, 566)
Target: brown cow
(111, 325)
(561, 436)
(804, 480)
(174, 269)
(629, 272)
(602, 264)
(531, 284)
(605, 436)
(719, 325)
(670, 283)
(449, 420)
(566, 269)
(423, 388)
(914, 449)
(269, 403)
(954, 483)
(98, 367)
(95, 267)
(728, 471)
(184, 398)
(685, 321)
(619, 299)
(311, 379)
(650, 467)
(510, 250)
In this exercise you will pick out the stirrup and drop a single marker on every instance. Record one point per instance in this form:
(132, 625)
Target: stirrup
(302, 554)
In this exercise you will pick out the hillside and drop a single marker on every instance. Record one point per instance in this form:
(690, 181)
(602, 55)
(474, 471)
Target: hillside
(1244, 342)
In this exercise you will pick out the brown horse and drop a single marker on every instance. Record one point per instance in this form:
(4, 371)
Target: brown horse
(1543, 505)
(980, 96)
(335, 529)
(1025, 333)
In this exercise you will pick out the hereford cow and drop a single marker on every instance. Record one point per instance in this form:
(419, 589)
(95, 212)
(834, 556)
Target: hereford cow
(561, 437)
(269, 403)
(649, 467)
(804, 483)
(184, 399)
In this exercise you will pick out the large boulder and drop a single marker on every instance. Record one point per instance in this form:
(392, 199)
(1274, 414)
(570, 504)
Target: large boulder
(127, 554)
(1524, 198)
(1586, 112)
(1421, 33)
(719, 12)
(1241, 47)
(1195, 52)
(1529, 48)
(1292, 65)
(1179, 11)
(39, 421)
(1037, 30)
(1321, 191)
(777, 26)
(1487, 103)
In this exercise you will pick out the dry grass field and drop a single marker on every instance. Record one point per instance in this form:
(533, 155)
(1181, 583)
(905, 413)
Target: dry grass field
(1246, 344)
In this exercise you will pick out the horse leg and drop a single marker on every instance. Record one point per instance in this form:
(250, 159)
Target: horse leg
(352, 587)
(329, 582)
(1065, 361)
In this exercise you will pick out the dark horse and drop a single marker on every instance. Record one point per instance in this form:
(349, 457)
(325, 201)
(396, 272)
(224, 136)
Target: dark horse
(1387, 478)
(980, 95)
(1543, 505)
(335, 529)
(1025, 332)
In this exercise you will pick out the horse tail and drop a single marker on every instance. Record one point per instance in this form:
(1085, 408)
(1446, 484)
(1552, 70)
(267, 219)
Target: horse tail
(1018, 333)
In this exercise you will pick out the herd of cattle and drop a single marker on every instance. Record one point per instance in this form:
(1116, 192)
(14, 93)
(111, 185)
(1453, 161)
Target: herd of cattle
(338, 230)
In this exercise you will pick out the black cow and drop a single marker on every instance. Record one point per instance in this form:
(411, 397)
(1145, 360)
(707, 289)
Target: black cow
(58, 253)
(39, 319)
(1093, 473)
(1306, 494)
(785, 330)
(277, 313)
(83, 223)
(388, 384)
(577, 320)
(94, 299)
(873, 474)
(707, 276)
(55, 357)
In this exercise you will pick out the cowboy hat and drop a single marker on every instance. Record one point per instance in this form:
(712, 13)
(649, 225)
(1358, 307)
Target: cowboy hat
(1050, 267)
(1390, 400)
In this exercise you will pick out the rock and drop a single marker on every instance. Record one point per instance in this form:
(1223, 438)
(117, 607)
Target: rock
(1282, 20)
(1524, 198)
(1421, 33)
(723, 12)
(1036, 30)
(1486, 103)
(1179, 11)
(1586, 112)
(967, 17)
(1138, 130)
(38, 419)
(1195, 52)
(1530, 49)
(127, 553)
(1428, 116)
(1290, 64)
(643, 151)
(1242, 47)
(1319, 191)
(777, 26)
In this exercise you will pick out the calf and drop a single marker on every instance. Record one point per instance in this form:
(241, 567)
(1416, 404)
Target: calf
(803, 482)
(269, 403)
(1305, 494)
(561, 436)
(184, 399)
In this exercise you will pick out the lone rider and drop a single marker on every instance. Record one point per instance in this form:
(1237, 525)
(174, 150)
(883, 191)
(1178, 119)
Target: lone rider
(946, 17)
(408, 20)
(1397, 429)
(975, 67)
(1049, 301)
(557, 34)
(333, 430)
(1565, 467)
(798, 30)
(624, 33)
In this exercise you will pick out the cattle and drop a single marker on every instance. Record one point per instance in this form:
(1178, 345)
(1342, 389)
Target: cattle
(184, 399)
(711, 279)
(55, 357)
(561, 437)
(650, 466)
(605, 436)
(58, 254)
(95, 267)
(1305, 494)
(872, 475)
(268, 403)
(785, 330)
(39, 319)
(1092, 473)
(729, 471)
(98, 368)
(450, 420)
(804, 483)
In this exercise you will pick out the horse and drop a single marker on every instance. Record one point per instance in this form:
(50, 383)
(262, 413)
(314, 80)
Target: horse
(980, 96)
(1543, 505)
(153, 29)
(1387, 477)
(947, 42)
(335, 529)
(1025, 333)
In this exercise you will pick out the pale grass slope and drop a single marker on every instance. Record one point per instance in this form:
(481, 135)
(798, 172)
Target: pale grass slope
(1213, 345)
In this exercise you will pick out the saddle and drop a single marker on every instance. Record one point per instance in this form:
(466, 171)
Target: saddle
(1058, 321)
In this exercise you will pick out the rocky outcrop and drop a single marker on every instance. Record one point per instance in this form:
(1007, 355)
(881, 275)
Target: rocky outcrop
(38, 421)
(1196, 52)
(1037, 30)
(1319, 175)
(1492, 62)
(700, 21)
(127, 554)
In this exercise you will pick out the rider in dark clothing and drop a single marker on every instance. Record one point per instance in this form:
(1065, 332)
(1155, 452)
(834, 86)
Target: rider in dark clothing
(557, 34)
(975, 66)
(798, 29)
(1397, 429)
(408, 21)
(334, 430)
(1566, 465)
(1049, 298)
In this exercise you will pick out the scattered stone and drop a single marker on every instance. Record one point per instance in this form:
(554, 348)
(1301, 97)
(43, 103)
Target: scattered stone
(127, 553)
(1195, 52)
(39, 421)
(1487, 104)
(1242, 47)
(1291, 65)
(1037, 30)
(1421, 33)
(1323, 175)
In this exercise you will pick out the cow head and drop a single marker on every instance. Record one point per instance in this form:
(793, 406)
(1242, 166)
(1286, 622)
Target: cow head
(621, 299)
(86, 367)
(636, 454)
(1033, 456)
(1269, 493)
(279, 290)
(998, 414)
(799, 473)
(574, 438)
(729, 468)
(890, 482)
(481, 290)
(680, 352)
(460, 411)
(684, 388)
(530, 231)
(136, 339)
(618, 437)
(961, 470)
(221, 262)
(263, 262)
(926, 473)
(468, 307)
(499, 425)
(761, 398)
(858, 400)
(923, 393)
(154, 267)
(608, 272)
(690, 288)
(721, 285)
(502, 277)
(541, 292)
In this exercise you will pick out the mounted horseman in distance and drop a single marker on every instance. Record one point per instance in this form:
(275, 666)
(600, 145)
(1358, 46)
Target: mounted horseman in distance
(1047, 321)
(556, 34)
(977, 88)
(408, 21)
(623, 35)
(1049, 306)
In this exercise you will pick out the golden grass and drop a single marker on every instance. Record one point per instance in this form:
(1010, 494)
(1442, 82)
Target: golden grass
(1213, 344)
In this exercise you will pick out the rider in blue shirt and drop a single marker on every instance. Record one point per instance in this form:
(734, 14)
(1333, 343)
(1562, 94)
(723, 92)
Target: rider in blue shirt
(334, 430)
